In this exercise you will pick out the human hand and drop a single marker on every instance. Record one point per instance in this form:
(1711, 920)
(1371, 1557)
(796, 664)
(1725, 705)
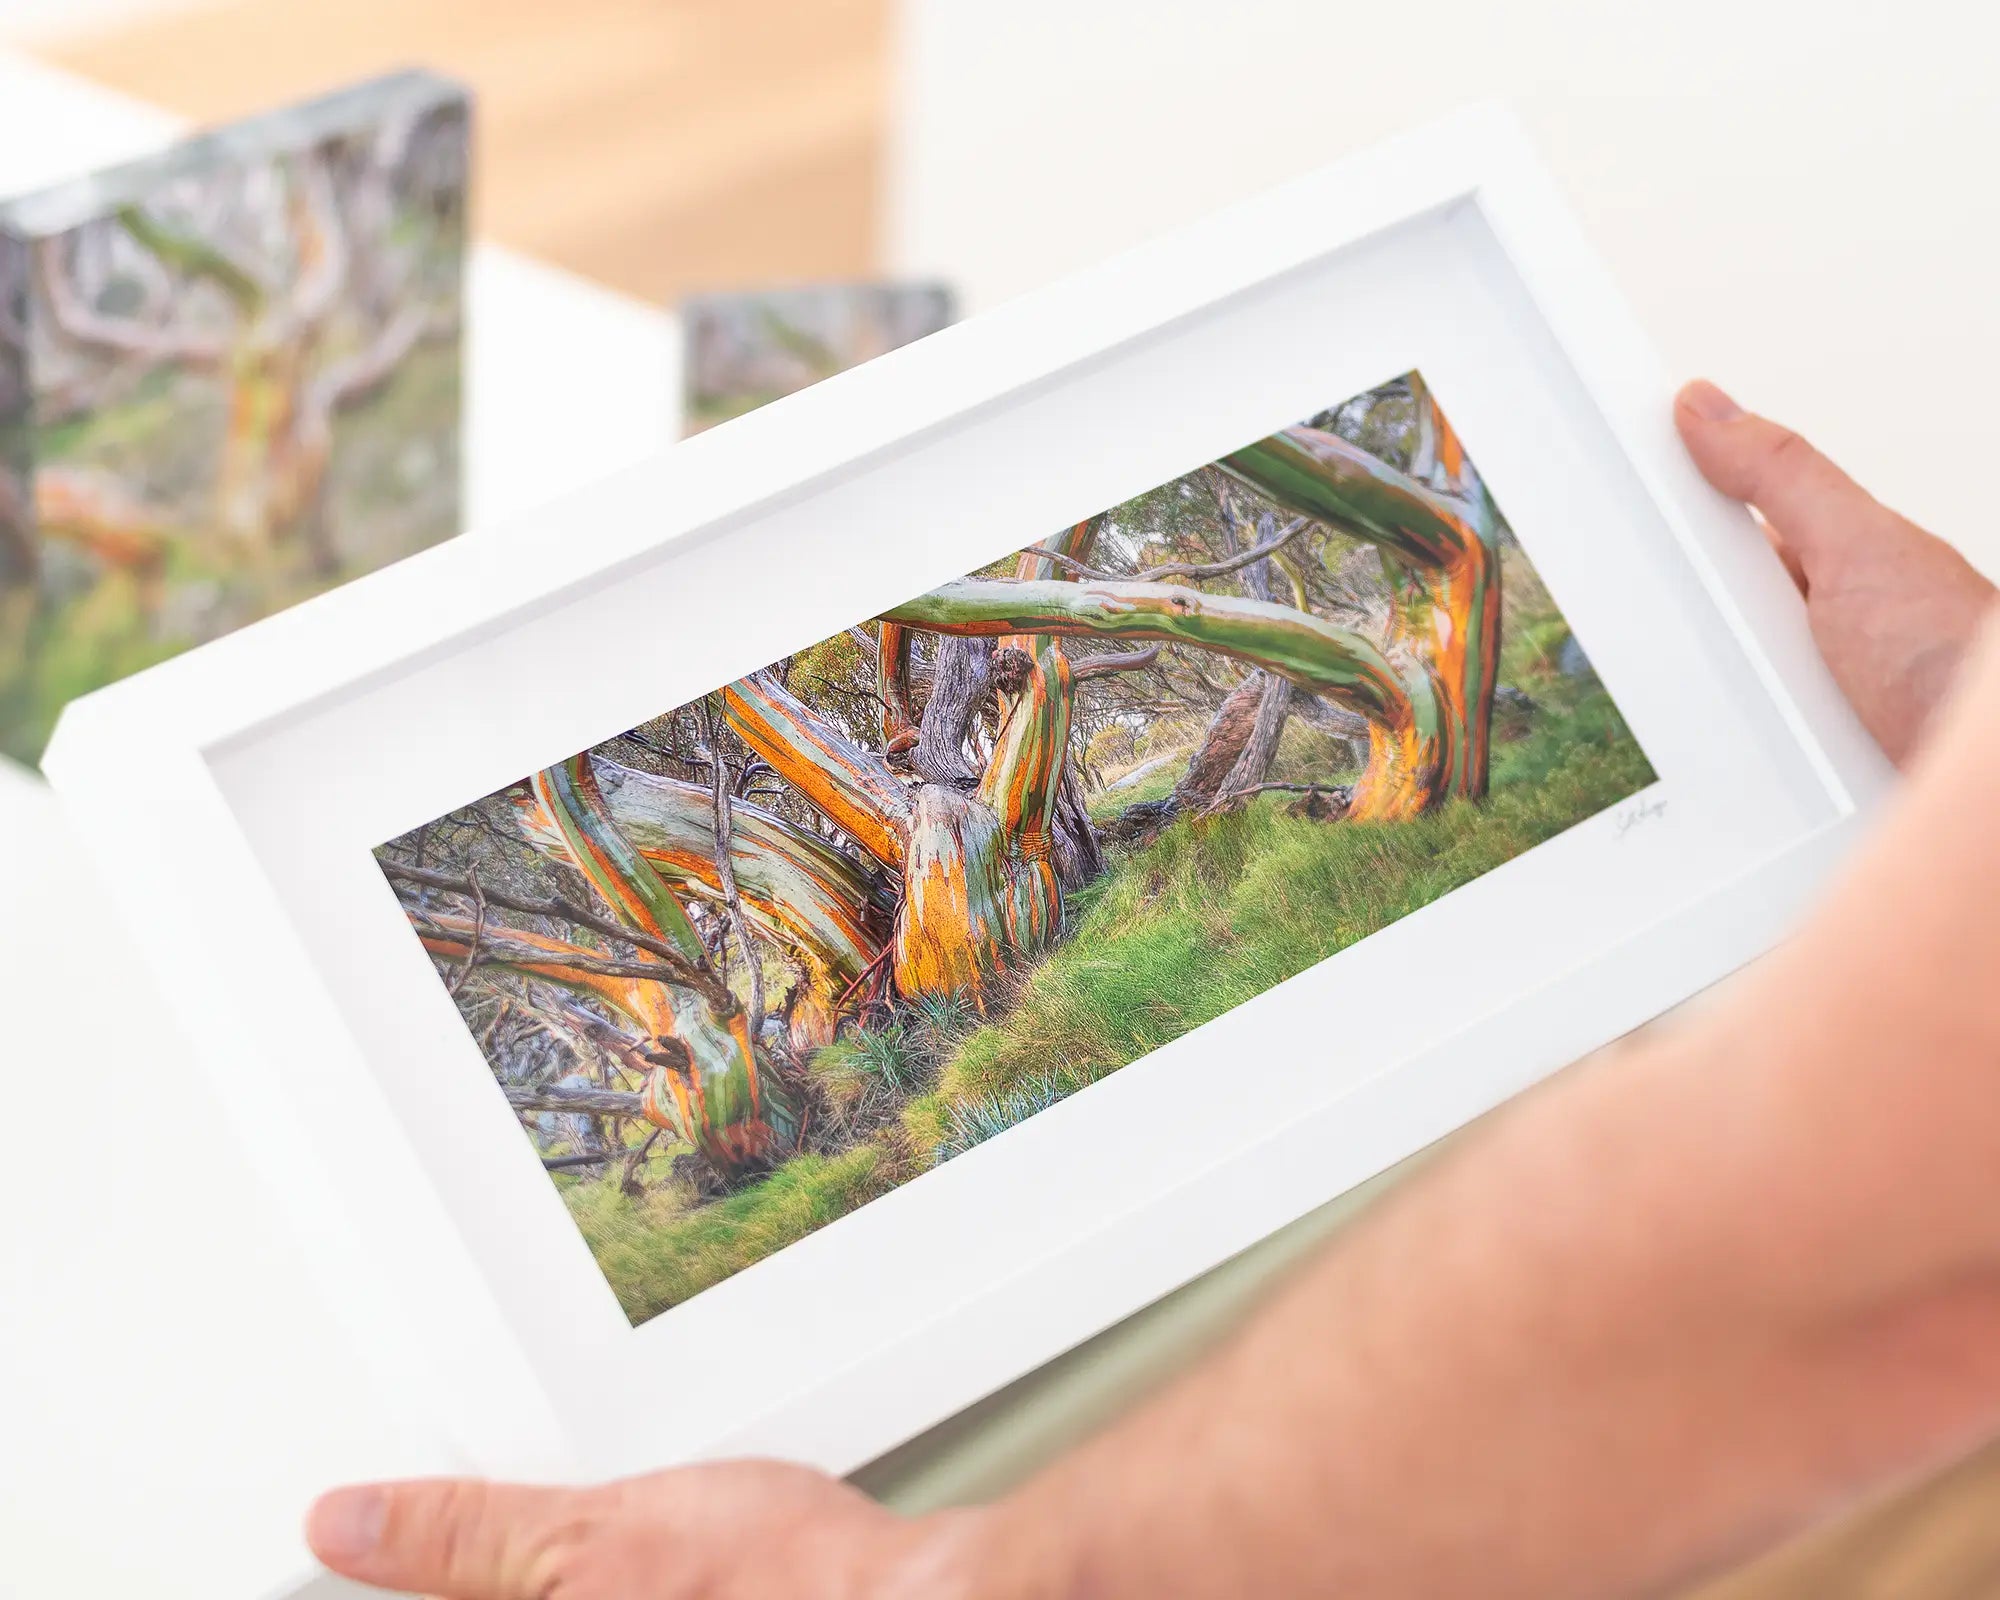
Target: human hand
(1892, 607)
(742, 1530)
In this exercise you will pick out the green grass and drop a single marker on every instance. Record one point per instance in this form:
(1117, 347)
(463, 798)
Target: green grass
(973, 1122)
(657, 1252)
(1207, 916)
(1212, 914)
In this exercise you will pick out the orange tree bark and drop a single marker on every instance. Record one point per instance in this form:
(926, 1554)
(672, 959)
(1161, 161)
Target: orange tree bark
(824, 910)
(892, 687)
(1448, 542)
(647, 1002)
(853, 787)
(733, 1109)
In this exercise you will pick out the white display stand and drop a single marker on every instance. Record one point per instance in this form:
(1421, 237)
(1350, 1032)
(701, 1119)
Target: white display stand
(174, 1391)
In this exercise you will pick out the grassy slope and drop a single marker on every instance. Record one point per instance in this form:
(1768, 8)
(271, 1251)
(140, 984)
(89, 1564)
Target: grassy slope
(1205, 918)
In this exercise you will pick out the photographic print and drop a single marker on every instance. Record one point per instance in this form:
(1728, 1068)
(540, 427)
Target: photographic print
(757, 961)
(229, 378)
(746, 350)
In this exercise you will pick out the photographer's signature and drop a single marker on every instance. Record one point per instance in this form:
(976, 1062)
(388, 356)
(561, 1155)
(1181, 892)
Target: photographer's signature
(1647, 808)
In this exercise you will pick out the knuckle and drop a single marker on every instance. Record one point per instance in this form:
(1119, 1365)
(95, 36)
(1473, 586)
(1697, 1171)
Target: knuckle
(1790, 456)
(574, 1537)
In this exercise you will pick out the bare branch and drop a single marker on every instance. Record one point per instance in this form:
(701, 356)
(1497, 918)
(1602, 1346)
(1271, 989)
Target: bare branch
(1184, 569)
(590, 1159)
(553, 1097)
(1119, 661)
(667, 966)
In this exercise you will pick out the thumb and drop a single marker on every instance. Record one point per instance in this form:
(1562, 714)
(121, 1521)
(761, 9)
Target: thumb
(456, 1538)
(1811, 505)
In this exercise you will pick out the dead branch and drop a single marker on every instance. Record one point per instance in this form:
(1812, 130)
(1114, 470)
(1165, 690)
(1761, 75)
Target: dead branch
(1185, 569)
(1119, 661)
(590, 1159)
(595, 1102)
(667, 966)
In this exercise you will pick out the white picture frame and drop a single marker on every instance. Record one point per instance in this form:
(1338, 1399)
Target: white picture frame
(272, 761)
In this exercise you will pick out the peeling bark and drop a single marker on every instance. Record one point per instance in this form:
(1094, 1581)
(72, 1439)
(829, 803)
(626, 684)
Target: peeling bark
(951, 933)
(853, 787)
(721, 1098)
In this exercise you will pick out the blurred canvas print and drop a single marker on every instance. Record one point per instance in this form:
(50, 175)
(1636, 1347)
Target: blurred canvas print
(753, 963)
(745, 350)
(229, 378)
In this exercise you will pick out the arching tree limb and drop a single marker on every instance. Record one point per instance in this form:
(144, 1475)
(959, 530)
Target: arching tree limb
(1321, 475)
(855, 788)
(1409, 739)
(568, 792)
(666, 959)
(1344, 666)
(807, 891)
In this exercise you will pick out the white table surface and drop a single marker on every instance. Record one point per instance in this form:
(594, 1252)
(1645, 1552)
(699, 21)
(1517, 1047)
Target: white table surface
(172, 1392)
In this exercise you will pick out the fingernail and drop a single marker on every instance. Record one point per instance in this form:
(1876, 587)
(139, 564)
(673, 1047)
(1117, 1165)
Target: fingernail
(1710, 403)
(348, 1523)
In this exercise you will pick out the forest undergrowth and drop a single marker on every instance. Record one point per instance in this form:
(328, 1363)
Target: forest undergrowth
(1203, 917)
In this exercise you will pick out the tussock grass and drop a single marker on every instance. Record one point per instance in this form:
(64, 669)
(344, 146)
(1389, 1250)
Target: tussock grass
(658, 1252)
(1213, 913)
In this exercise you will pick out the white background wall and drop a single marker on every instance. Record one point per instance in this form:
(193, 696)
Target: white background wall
(1799, 196)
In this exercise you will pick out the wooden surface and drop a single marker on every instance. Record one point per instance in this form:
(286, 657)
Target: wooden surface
(656, 145)
(668, 145)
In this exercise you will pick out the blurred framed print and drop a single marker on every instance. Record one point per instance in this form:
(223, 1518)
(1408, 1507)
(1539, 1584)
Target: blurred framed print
(776, 945)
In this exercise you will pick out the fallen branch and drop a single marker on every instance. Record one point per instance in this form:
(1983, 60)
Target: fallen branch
(558, 1163)
(1118, 661)
(596, 1102)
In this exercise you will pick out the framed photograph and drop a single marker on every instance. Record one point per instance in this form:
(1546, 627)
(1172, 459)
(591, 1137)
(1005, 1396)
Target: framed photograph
(780, 943)
(229, 378)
